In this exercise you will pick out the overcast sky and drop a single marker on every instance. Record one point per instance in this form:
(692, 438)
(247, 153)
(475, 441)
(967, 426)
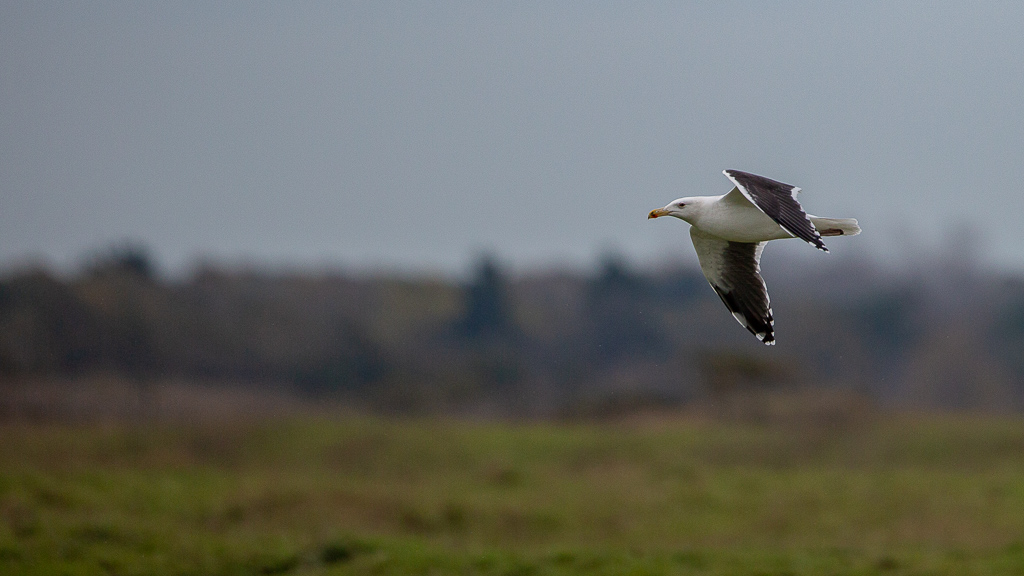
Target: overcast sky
(418, 135)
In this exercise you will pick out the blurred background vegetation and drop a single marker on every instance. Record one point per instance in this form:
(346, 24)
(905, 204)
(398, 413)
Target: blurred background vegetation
(541, 344)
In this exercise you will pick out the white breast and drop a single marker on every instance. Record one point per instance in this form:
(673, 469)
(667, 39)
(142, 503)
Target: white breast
(738, 222)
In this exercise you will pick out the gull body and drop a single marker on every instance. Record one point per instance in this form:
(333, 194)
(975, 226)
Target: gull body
(729, 217)
(729, 233)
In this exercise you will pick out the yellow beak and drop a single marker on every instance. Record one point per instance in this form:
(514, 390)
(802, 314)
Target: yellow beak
(657, 212)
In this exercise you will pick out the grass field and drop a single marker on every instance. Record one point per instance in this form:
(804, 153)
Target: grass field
(348, 495)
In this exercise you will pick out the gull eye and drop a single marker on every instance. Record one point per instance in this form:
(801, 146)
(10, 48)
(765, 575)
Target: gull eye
(680, 204)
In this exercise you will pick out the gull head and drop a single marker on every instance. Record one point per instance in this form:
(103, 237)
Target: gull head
(683, 208)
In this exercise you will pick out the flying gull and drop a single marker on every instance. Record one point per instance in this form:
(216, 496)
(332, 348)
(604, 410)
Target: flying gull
(729, 233)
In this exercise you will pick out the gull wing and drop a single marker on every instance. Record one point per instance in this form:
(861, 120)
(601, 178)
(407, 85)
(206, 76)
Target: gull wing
(779, 202)
(733, 269)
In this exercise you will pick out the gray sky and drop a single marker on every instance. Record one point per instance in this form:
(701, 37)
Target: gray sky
(417, 135)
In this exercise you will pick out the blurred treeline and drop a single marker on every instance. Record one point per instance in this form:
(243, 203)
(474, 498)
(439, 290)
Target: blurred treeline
(942, 335)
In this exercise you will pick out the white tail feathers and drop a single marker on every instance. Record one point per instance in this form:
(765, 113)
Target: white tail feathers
(836, 226)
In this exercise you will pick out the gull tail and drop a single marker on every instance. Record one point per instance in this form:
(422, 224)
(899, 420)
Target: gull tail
(836, 226)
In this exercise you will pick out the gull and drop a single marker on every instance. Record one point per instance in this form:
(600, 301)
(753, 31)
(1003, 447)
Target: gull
(729, 233)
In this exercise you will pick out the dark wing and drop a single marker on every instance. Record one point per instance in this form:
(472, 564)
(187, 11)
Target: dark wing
(779, 202)
(733, 269)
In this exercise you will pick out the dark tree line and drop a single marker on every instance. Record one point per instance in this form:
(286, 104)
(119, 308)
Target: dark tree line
(528, 344)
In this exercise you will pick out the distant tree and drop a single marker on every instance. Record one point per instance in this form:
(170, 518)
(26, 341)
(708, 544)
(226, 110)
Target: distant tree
(45, 328)
(617, 326)
(1006, 335)
(124, 289)
(126, 258)
(487, 310)
(615, 279)
(490, 358)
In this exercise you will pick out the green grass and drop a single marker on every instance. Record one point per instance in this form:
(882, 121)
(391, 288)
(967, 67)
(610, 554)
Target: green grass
(661, 496)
